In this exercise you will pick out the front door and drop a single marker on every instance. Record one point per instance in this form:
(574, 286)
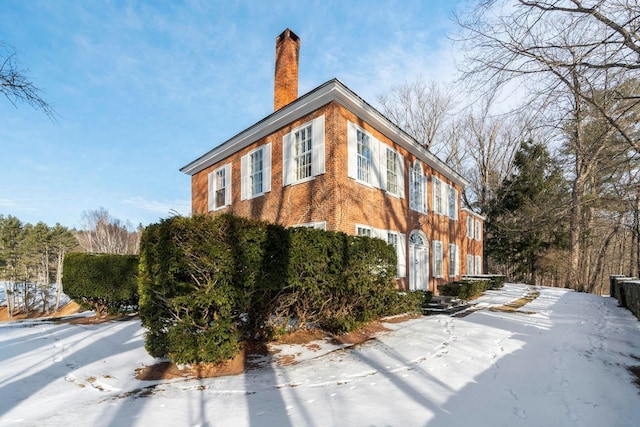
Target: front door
(418, 262)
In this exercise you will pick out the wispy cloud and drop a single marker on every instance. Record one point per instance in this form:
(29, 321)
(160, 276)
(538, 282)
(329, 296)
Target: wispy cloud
(6, 203)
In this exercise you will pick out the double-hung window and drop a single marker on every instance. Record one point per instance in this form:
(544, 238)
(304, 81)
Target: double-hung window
(363, 156)
(255, 168)
(478, 231)
(470, 265)
(303, 152)
(470, 227)
(454, 269)
(220, 188)
(478, 263)
(437, 258)
(417, 182)
(302, 143)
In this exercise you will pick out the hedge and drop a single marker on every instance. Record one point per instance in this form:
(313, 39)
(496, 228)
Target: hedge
(105, 282)
(465, 289)
(206, 283)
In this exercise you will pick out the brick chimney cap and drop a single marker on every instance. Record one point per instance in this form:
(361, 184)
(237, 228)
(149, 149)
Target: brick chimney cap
(288, 33)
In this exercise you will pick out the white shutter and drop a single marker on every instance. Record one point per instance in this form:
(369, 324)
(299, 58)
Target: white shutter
(212, 177)
(455, 208)
(380, 234)
(382, 159)
(375, 163)
(228, 181)
(245, 191)
(352, 151)
(317, 147)
(412, 195)
(287, 159)
(402, 255)
(433, 193)
(266, 168)
(400, 176)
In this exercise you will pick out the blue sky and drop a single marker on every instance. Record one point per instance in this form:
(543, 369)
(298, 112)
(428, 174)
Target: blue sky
(142, 88)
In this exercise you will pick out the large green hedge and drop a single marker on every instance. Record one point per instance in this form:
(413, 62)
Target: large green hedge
(106, 282)
(206, 283)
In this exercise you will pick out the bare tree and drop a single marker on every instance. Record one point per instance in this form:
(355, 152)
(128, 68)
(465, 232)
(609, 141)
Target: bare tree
(102, 233)
(16, 86)
(569, 60)
(490, 142)
(422, 108)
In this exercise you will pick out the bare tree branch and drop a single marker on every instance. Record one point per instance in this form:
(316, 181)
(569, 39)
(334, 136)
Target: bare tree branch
(17, 87)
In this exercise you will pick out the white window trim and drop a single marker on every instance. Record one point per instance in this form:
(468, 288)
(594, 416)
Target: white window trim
(365, 227)
(317, 152)
(477, 231)
(319, 225)
(245, 173)
(212, 187)
(470, 264)
(478, 264)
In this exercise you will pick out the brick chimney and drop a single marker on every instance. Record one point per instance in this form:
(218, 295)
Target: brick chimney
(286, 78)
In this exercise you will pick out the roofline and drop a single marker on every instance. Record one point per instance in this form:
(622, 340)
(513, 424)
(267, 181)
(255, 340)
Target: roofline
(474, 213)
(333, 90)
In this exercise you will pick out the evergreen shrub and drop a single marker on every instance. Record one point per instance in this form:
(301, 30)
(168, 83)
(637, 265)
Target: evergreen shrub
(206, 283)
(104, 282)
(465, 289)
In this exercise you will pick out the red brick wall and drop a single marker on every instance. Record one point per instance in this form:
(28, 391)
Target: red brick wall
(339, 200)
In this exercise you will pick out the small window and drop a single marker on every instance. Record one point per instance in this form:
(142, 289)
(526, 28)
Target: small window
(220, 188)
(437, 258)
(478, 231)
(363, 230)
(470, 227)
(319, 225)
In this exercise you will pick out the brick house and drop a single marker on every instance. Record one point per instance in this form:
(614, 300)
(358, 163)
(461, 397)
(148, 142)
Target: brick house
(328, 159)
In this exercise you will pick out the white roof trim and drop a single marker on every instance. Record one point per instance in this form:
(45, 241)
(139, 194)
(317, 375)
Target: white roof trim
(333, 90)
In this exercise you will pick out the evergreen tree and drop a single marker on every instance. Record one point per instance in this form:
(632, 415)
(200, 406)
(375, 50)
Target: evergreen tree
(526, 220)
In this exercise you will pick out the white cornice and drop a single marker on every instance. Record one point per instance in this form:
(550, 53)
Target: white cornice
(333, 90)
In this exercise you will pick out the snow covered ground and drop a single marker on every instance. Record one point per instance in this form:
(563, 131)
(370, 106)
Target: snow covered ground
(563, 365)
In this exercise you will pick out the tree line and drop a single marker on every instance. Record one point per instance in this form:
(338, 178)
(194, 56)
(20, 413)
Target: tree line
(544, 124)
(31, 256)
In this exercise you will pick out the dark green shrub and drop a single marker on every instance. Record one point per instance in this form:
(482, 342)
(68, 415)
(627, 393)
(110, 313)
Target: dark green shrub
(465, 289)
(105, 282)
(497, 281)
(208, 282)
